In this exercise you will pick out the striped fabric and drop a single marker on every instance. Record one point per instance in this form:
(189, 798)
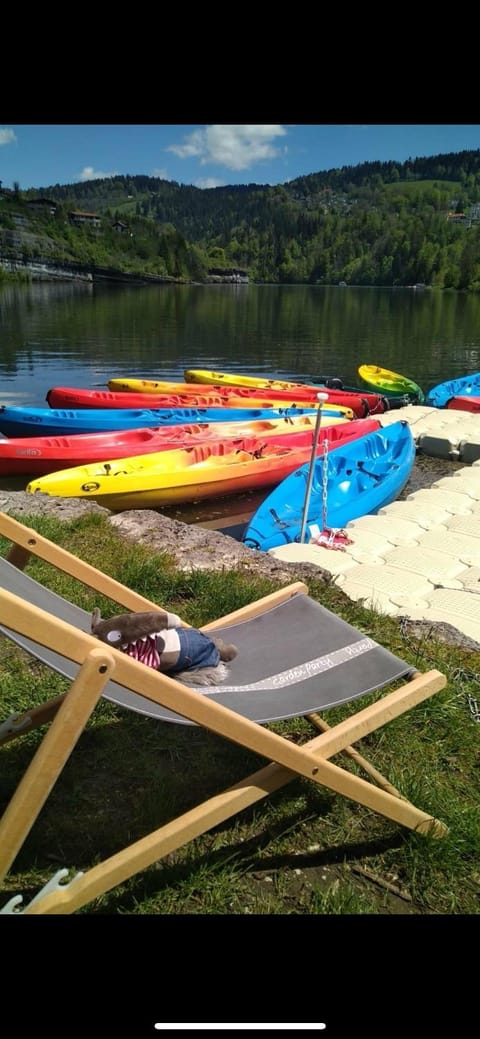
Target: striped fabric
(146, 651)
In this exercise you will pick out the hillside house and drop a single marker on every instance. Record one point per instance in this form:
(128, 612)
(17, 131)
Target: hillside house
(42, 205)
(457, 218)
(80, 219)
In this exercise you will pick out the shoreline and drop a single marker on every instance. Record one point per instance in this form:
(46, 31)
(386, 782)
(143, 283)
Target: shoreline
(192, 546)
(198, 548)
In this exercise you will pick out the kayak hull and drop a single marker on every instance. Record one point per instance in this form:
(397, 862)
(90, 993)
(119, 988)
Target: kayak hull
(206, 470)
(37, 456)
(69, 397)
(361, 404)
(471, 404)
(467, 386)
(361, 477)
(391, 383)
(16, 421)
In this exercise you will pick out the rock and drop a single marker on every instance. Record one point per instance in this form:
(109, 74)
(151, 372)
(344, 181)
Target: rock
(22, 504)
(196, 548)
(192, 547)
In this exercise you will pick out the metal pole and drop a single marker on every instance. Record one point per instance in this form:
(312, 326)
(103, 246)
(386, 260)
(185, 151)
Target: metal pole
(321, 397)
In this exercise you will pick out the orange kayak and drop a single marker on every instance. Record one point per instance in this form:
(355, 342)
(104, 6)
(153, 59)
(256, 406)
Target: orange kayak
(361, 403)
(208, 470)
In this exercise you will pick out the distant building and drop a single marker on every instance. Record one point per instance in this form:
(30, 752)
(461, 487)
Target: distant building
(120, 227)
(457, 218)
(43, 205)
(230, 274)
(85, 219)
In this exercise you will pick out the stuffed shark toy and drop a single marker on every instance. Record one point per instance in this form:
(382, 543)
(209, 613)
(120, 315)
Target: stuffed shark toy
(159, 640)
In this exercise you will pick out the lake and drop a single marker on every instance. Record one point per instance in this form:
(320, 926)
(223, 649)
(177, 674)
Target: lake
(80, 335)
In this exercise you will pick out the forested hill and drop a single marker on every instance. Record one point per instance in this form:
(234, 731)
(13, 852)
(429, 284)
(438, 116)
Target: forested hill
(378, 223)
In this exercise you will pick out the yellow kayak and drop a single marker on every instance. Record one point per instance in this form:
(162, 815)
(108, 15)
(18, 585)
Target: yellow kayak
(128, 385)
(361, 403)
(235, 379)
(207, 470)
(208, 396)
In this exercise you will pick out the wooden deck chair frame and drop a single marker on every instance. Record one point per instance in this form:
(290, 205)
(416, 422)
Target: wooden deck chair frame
(69, 713)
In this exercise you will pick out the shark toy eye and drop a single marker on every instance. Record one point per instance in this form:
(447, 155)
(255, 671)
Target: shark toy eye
(114, 636)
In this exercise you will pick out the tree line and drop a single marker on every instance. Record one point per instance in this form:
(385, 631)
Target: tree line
(378, 223)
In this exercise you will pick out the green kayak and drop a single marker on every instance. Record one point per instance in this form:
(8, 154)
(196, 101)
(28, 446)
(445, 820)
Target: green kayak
(391, 383)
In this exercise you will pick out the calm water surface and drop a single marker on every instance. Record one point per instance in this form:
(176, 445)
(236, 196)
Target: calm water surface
(61, 334)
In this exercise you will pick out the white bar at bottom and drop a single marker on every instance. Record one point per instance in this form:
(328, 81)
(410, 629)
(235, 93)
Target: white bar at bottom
(203, 1027)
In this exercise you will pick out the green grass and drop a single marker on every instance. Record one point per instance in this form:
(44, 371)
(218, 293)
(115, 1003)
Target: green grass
(302, 851)
(409, 187)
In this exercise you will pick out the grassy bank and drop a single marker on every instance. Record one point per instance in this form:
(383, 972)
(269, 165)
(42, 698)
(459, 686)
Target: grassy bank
(304, 850)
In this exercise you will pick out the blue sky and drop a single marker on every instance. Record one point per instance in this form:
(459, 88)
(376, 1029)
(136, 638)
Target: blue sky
(39, 156)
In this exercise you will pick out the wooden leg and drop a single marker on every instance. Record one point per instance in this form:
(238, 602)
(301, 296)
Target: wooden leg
(358, 758)
(53, 752)
(20, 724)
(143, 853)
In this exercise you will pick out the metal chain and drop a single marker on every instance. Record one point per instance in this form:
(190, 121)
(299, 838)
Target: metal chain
(324, 483)
(459, 674)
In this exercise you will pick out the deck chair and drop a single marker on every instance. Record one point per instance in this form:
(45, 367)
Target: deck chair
(323, 662)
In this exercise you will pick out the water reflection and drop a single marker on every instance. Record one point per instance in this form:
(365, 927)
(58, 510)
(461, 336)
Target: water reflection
(80, 335)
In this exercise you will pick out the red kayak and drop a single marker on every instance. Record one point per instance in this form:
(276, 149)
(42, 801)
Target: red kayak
(464, 404)
(360, 404)
(69, 397)
(38, 456)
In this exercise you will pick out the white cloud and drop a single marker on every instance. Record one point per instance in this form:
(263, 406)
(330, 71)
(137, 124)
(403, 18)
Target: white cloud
(209, 182)
(7, 136)
(88, 173)
(236, 147)
(160, 173)
(192, 148)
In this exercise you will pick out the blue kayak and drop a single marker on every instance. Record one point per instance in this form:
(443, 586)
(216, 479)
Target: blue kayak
(361, 477)
(465, 386)
(25, 422)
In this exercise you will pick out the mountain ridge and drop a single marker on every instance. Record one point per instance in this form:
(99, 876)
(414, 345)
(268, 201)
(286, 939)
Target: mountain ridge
(377, 223)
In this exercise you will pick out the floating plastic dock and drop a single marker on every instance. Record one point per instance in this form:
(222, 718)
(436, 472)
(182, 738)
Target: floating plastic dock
(418, 558)
(439, 433)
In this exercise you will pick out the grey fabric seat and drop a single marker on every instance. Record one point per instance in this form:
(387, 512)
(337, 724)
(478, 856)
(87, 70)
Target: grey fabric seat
(294, 659)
